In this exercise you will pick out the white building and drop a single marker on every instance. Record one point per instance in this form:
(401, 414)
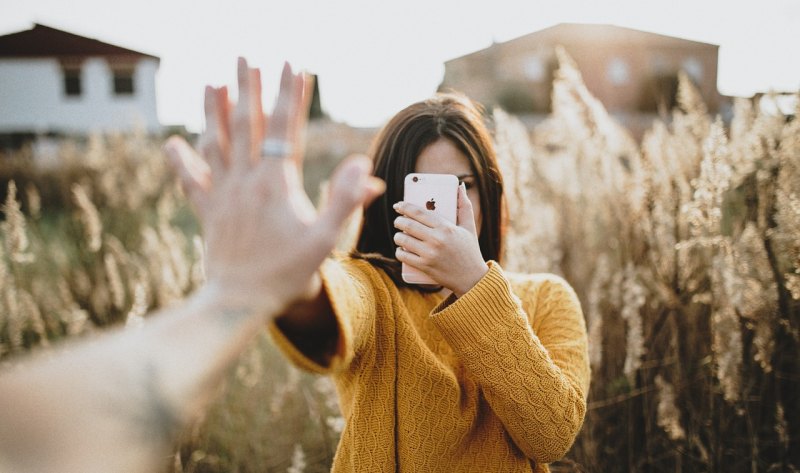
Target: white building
(55, 82)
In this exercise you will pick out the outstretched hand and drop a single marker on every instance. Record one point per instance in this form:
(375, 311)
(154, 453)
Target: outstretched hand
(264, 239)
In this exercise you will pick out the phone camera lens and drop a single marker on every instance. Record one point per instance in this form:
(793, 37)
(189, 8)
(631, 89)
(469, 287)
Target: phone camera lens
(415, 179)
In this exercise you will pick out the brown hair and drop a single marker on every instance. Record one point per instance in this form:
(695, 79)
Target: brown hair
(395, 152)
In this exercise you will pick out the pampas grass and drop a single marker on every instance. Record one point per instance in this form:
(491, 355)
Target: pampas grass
(684, 249)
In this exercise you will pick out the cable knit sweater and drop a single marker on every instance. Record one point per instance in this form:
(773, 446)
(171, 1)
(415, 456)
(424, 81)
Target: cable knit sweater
(492, 381)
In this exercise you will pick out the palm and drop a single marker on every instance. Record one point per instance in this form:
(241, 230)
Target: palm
(261, 230)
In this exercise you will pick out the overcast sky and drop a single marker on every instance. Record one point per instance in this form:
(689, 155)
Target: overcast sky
(374, 57)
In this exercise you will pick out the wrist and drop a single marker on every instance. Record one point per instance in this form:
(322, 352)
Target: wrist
(474, 278)
(220, 297)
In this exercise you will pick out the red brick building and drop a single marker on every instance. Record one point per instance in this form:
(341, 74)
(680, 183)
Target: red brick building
(628, 70)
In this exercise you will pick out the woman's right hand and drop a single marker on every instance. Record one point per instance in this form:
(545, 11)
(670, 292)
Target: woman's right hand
(264, 239)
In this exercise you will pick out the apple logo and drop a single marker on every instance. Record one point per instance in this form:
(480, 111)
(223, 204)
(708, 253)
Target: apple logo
(431, 204)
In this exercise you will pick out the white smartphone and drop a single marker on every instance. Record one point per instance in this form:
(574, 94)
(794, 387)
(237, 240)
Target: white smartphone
(436, 193)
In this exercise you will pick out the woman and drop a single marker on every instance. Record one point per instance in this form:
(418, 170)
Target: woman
(486, 371)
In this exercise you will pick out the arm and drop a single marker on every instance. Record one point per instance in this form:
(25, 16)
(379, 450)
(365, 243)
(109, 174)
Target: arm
(535, 381)
(325, 334)
(112, 403)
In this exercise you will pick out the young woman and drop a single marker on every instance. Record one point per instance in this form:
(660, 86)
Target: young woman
(484, 371)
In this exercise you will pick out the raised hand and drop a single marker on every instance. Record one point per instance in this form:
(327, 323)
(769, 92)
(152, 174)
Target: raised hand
(264, 238)
(448, 253)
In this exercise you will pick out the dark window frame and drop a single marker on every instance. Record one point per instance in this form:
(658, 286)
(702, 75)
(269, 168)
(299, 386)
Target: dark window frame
(123, 82)
(72, 81)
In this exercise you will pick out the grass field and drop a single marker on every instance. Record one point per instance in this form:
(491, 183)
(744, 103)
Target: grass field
(684, 249)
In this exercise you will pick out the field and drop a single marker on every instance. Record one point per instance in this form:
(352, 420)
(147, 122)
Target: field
(684, 249)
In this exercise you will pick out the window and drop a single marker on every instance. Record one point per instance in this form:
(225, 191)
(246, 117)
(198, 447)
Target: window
(123, 81)
(72, 81)
(618, 71)
(534, 68)
(694, 68)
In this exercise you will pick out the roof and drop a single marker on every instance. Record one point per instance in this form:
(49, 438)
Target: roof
(595, 34)
(44, 41)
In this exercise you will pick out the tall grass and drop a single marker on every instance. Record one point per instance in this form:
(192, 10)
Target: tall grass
(684, 250)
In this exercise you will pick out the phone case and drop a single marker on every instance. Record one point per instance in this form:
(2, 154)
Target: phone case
(437, 193)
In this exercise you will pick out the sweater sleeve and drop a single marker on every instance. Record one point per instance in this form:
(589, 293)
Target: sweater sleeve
(535, 382)
(350, 286)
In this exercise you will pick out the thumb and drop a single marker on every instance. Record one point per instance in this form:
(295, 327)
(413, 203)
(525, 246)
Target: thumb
(350, 188)
(465, 216)
(193, 171)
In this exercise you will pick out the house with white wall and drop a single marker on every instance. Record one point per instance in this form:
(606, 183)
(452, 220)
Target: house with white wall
(53, 82)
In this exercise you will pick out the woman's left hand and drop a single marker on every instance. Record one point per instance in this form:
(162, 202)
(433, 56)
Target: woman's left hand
(448, 253)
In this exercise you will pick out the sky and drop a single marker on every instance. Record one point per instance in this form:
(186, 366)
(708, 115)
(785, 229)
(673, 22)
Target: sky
(375, 57)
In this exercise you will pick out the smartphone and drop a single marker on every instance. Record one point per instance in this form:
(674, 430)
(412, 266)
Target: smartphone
(436, 193)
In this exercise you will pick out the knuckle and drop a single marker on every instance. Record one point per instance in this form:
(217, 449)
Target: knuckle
(209, 147)
(241, 118)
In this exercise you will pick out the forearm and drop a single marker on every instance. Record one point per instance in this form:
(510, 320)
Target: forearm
(311, 326)
(323, 334)
(539, 400)
(113, 403)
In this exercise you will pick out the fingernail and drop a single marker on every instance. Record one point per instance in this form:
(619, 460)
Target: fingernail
(396, 206)
(376, 185)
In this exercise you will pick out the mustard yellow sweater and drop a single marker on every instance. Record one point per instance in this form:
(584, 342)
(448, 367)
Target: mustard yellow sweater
(493, 381)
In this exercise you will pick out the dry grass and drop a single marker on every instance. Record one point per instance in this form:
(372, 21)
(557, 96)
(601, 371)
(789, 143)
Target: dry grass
(685, 250)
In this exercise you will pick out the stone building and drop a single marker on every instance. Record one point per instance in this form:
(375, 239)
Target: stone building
(629, 71)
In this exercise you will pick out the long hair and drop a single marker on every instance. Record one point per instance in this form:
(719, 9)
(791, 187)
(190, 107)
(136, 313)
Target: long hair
(395, 151)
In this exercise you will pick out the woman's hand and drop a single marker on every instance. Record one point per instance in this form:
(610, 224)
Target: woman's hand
(264, 239)
(448, 253)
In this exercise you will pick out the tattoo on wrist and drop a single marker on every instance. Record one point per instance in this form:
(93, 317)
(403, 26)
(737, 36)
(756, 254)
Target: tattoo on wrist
(155, 420)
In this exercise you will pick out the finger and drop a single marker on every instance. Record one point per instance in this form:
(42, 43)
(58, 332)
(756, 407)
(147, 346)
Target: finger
(425, 217)
(193, 171)
(409, 258)
(256, 111)
(375, 187)
(413, 228)
(349, 190)
(409, 243)
(303, 92)
(465, 216)
(242, 149)
(224, 117)
(282, 114)
(211, 142)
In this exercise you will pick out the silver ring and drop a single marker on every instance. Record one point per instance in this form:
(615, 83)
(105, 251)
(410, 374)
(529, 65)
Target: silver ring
(275, 148)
